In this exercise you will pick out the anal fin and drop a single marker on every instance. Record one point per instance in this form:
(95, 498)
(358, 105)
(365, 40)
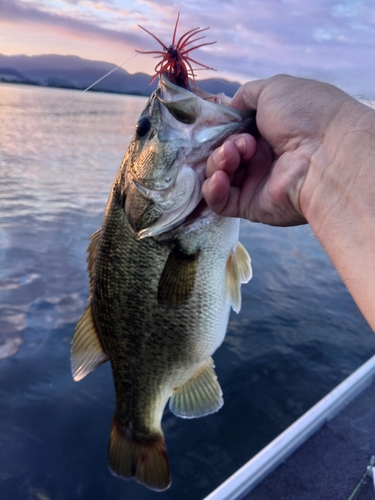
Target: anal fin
(199, 396)
(145, 460)
(86, 352)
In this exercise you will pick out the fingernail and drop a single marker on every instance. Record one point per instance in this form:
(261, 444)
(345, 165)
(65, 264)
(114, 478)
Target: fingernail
(212, 180)
(240, 142)
(219, 155)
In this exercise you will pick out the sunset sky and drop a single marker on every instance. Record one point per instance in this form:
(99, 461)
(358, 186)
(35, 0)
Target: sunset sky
(332, 40)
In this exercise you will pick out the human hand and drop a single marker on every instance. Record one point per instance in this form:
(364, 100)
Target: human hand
(265, 180)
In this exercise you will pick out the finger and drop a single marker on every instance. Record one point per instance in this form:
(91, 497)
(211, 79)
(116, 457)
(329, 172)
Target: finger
(225, 158)
(215, 190)
(220, 196)
(237, 149)
(246, 145)
(247, 96)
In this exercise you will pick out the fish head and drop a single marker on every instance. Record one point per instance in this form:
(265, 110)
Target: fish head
(164, 167)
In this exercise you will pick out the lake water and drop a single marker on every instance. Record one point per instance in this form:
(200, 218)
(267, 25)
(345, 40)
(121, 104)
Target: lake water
(298, 335)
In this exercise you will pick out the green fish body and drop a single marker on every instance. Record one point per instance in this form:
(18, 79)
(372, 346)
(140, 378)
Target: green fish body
(164, 272)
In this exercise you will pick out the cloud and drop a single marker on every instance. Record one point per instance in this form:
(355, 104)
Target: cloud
(28, 13)
(330, 39)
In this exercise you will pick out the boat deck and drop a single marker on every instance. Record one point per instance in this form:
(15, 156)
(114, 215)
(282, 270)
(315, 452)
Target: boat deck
(324, 455)
(330, 464)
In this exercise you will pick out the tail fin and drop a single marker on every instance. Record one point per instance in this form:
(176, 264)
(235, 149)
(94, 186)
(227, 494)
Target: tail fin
(146, 460)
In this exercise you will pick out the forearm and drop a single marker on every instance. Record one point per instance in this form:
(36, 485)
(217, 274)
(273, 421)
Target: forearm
(338, 200)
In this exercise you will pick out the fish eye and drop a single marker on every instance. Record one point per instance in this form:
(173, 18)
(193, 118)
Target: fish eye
(143, 126)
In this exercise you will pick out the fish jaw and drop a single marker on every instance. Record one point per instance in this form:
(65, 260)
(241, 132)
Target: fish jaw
(175, 208)
(167, 165)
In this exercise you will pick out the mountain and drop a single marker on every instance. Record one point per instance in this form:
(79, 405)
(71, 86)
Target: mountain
(74, 72)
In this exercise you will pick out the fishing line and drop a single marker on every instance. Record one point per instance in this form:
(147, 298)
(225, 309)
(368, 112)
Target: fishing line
(93, 84)
(54, 112)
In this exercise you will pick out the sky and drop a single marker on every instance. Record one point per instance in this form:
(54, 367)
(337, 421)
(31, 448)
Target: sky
(330, 40)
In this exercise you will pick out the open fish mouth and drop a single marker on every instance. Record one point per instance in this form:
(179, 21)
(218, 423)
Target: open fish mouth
(176, 202)
(165, 165)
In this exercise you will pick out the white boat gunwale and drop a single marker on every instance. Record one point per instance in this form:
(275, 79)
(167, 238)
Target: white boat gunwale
(276, 452)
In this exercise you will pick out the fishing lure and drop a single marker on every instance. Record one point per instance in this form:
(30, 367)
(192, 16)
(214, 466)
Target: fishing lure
(176, 61)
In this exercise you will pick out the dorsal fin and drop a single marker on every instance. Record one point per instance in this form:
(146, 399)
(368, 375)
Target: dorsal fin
(87, 352)
(238, 271)
(199, 396)
(91, 258)
(178, 277)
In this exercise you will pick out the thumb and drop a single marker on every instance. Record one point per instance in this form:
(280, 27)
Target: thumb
(247, 96)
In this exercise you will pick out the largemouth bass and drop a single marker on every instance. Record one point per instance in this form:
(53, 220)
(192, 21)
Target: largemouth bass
(164, 272)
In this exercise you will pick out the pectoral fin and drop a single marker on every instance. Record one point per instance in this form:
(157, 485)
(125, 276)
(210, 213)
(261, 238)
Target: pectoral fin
(199, 396)
(178, 277)
(86, 352)
(92, 251)
(238, 271)
(243, 261)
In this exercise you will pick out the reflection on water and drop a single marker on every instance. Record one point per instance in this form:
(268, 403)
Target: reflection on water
(9, 347)
(65, 158)
(297, 336)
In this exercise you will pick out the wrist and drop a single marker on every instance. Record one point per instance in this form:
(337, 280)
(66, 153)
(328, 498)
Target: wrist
(338, 199)
(342, 168)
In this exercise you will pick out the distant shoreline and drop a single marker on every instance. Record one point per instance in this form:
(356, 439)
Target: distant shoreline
(72, 87)
(75, 73)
